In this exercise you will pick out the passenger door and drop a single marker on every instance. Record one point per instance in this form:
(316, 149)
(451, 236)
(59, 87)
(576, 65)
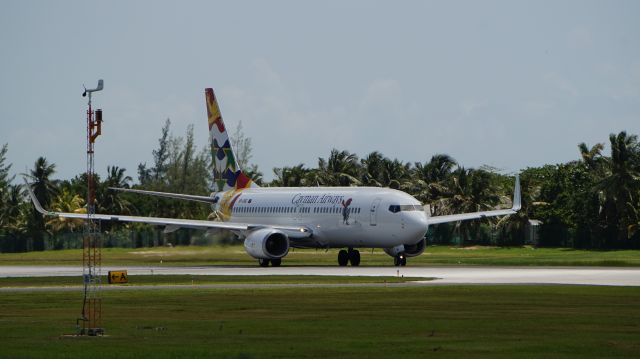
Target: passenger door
(373, 213)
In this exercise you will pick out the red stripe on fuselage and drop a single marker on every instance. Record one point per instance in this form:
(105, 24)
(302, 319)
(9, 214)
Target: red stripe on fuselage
(233, 201)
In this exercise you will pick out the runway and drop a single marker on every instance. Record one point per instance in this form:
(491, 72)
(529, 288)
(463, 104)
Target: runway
(444, 275)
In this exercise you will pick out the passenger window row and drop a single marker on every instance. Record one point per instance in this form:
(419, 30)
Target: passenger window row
(261, 209)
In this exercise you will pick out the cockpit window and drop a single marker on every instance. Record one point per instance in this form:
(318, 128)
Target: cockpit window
(395, 208)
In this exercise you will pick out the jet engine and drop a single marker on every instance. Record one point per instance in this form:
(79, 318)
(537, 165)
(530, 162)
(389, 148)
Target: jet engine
(409, 250)
(414, 250)
(267, 243)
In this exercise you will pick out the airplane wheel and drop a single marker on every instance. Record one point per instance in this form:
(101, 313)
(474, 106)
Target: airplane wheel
(354, 258)
(343, 258)
(399, 260)
(263, 262)
(276, 262)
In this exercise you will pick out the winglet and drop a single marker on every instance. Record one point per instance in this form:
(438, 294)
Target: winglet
(35, 201)
(517, 200)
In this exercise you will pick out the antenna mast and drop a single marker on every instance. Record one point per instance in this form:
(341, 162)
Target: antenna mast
(91, 318)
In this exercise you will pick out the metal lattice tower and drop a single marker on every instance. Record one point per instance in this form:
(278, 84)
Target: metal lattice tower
(90, 323)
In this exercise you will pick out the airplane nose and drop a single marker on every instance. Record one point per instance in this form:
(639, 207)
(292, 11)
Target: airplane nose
(416, 223)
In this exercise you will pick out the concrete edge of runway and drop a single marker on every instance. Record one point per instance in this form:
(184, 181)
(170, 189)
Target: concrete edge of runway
(480, 275)
(253, 286)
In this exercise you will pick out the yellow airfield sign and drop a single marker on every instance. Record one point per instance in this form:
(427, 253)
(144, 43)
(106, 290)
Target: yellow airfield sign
(118, 277)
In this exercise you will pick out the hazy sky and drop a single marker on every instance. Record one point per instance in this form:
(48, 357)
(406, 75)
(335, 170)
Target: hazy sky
(509, 84)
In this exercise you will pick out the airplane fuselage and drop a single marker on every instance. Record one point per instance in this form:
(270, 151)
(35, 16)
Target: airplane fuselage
(358, 217)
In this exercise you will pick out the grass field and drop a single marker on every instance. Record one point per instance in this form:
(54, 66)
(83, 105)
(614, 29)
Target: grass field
(202, 279)
(235, 255)
(381, 322)
(452, 321)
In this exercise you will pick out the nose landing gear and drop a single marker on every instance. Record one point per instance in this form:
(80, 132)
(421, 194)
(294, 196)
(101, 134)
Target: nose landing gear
(400, 260)
(351, 256)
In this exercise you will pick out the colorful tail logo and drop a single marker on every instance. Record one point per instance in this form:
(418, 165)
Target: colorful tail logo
(226, 173)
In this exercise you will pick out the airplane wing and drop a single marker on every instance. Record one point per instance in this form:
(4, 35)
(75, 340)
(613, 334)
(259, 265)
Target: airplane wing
(172, 224)
(517, 204)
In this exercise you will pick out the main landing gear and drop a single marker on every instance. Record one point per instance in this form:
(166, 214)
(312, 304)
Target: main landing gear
(351, 256)
(400, 260)
(274, 262)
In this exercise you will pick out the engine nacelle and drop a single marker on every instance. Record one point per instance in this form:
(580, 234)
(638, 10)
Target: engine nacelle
(414, 250)
(267, 243)
(409, 250)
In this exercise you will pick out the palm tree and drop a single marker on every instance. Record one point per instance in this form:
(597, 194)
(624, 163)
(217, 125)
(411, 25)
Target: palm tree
(295, 176)
(472, 191)
(341, 169)
(395, 173)
(379, 171)
(112, 201)
(432, 180)
(43, 186)
(634, 227)
(592, 158)
(589, 201)
(372, 168)
(12, 201)
(45, 190)
(5, 179)
(70, 203)
(17, 217)
(439, 168)
(620, 187)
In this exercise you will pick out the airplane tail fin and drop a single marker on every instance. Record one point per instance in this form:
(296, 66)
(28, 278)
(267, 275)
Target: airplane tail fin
(226, 174)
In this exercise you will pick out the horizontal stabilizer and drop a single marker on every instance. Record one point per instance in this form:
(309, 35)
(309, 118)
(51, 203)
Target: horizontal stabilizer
(187, 197)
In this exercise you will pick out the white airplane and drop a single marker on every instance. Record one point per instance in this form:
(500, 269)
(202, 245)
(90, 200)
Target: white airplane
(272, 220)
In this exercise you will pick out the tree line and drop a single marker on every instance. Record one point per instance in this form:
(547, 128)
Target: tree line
(591, 202)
